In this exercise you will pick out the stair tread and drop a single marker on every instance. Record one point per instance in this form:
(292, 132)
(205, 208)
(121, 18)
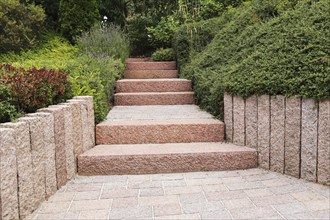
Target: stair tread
(154, 93)
(170, 148)
(154, 80)
(161, 122)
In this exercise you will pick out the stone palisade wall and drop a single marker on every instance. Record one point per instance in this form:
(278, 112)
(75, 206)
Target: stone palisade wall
(38, 154)
(292, 135)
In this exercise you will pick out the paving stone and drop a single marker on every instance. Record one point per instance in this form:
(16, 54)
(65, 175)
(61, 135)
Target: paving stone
(183, 190)
(287, 189)
(193, 198)
(158, 200)
(251, 121)
(54, 207)
(97, 215)
(119, 193)
(275, 182)
(151, 192)
(238, 203)
(255, 213)
(62, 197)
(8, 175)
(196, 175)
(219, 214)
(115, 185)
(87, 195)
(141, 212)
(172, 176)
(244, 185)
(221, 174)
(309, 140)
(225, 195)
(277, 117)
(318, 205)
(84, 205)
(143, 185)
(261, 177)
(179, 217)
(106, 179)
(258, 192)
(239, 120)
(124, 202)
(214, 188)
(169, 209)
(307, 196)
(273, 200)
(189, 208)
(287, 209)
(84, 187)
(174, 183)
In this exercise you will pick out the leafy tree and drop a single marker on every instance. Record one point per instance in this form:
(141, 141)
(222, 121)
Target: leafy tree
(20, 25)
(77, 16)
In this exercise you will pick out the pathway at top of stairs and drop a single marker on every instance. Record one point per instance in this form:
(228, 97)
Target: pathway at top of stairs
(156, 128)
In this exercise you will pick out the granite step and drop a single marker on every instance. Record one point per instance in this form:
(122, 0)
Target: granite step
(165, 158)
(171, 65)
(150, 74)
(153, 85)
(155, 98)
(159, 131)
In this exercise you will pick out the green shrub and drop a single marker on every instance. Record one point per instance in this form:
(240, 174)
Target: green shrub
(77, 16)
(95, 76)
(262, 49)
(8, 111)
(109, 41)
(35, 88)
(20, 25)
(163, 55)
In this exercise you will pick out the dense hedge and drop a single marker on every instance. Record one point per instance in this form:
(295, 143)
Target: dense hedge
(264, 48)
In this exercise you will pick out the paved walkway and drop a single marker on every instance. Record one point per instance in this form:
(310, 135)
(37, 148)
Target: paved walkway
(244, 194)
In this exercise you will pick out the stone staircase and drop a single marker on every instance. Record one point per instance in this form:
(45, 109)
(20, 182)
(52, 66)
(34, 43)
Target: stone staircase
(156, 128)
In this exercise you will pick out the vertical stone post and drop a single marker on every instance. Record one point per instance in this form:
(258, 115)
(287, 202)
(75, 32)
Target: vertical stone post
(91, 120)
(77, 129)
(323, 171)
(292, 136)
(277, 118)
(27, 202)
(60, 154)
(8, 175)
(228, 118)
(68, 140)
(309, 117)
(86, 142)
(49, 145)
(239, 120)
(37, 125)
(263, 130)
(251, 121)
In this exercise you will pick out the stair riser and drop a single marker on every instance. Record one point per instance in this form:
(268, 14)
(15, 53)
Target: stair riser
(159, 133)
(151, 66)
(154, 99)
(150, 74)
(153, 86)
(144, 164)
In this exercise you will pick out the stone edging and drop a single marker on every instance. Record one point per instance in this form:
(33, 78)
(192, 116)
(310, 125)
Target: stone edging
(292, 135)
(38, 154)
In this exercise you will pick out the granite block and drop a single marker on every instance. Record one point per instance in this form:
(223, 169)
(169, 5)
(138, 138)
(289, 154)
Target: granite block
(309, 117)
(263, 130)
(8, 175)
(26, 200)
(228, 110)
(277, 118)
(239, 120)
(251, 121)
(292, 136)
(323, 171)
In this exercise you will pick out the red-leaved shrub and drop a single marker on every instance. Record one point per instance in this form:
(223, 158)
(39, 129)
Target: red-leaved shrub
(35, 88)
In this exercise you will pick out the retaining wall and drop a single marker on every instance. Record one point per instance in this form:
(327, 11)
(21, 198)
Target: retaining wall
(292, 135)
(38, 154)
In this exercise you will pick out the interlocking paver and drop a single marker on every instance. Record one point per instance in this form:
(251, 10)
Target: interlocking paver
(200, 195)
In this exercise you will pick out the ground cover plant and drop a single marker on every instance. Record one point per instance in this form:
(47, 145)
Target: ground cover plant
(261, 48)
